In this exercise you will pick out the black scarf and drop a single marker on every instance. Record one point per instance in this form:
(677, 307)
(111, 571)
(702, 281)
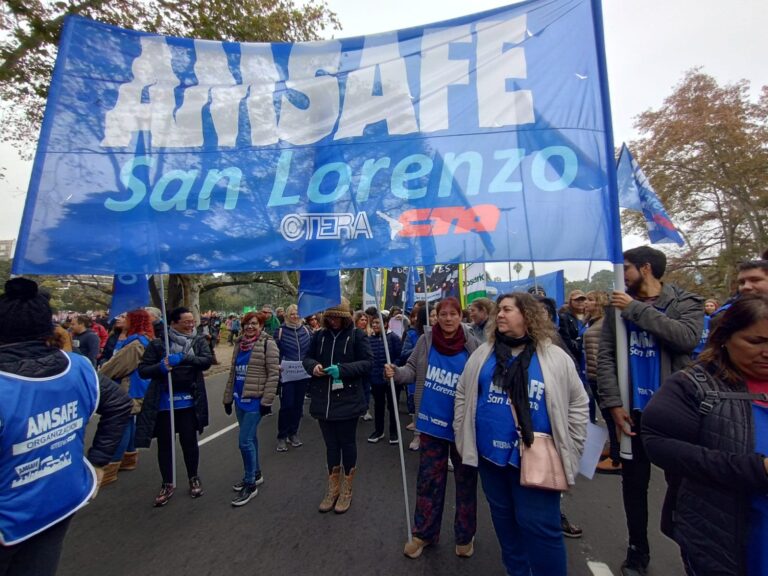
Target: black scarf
(513, 379)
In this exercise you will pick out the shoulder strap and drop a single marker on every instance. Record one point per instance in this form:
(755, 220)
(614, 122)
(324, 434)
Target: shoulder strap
(709, 396)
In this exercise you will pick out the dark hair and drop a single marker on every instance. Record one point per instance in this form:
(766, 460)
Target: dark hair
(753, 264)
(175, 315)
(745, 311)
(372, 311)
(420, 318)
(25, 312)
(84, 320)
(646, 255)
(140, 322)
(346, 321)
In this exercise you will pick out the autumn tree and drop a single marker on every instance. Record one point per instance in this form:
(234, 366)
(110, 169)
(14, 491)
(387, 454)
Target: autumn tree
(705, 151)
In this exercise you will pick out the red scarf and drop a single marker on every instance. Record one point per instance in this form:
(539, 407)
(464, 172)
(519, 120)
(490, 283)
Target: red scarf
(247, 343)
(757, 387)
(448, 347)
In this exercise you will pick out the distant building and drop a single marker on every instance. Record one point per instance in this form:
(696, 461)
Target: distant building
(6, 249)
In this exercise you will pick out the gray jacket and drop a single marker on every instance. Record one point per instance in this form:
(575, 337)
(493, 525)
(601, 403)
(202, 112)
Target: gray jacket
(415, 370)
(675, 319)
(566, 405)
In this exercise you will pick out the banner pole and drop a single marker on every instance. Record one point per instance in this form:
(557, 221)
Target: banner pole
(170, 380)
(397, 422)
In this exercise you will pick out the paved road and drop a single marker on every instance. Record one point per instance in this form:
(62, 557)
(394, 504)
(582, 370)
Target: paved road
(281, 532)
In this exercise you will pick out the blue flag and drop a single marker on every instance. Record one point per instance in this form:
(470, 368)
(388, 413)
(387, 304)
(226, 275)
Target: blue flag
(129, 292)
(410, 292)
(469, 140)
(553, 285)
(636, 193)
(318, 290)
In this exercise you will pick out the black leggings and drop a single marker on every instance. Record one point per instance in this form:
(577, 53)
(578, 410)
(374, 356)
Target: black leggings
(39, 555)
(340, 443)
(186, 428)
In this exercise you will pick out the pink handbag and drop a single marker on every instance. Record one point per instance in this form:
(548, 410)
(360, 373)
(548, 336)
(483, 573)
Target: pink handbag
(540, 464)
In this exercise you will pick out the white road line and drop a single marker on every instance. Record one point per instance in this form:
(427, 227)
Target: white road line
(599, 569)
(217, 434)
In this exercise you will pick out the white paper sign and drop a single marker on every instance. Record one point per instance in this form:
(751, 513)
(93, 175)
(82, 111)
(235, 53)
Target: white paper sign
(292, 370)
(593, 448)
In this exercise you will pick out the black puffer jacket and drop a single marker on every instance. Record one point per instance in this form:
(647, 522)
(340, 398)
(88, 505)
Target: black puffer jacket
(187, 377)
(350, 350)
(712, 472)
(37, 360)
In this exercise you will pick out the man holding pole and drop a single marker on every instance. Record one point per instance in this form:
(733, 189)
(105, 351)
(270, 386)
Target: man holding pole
(663, 324)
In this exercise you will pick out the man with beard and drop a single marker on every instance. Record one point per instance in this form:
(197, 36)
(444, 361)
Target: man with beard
(664, 324)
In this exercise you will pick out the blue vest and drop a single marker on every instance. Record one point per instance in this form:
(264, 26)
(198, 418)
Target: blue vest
(757, 553)
(497, 437)
(138, 386)
(44, 476)
(644, 365)
(436, 409)
(241, 368)
(704, 338)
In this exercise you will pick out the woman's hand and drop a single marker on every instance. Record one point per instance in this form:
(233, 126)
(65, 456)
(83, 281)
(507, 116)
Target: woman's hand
(318, 371)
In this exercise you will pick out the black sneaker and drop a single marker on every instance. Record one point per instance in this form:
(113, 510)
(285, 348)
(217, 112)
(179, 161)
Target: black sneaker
(247, 494)
(258, 481)
(569, 530)
(393, 439)
(237, 486)
(375, 437)
(195, 487)
(636, 563)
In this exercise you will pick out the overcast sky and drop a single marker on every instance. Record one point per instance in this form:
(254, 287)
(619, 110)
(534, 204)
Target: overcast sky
(650, 44)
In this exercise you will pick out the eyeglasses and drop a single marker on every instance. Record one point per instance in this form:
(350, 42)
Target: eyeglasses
(254, 324)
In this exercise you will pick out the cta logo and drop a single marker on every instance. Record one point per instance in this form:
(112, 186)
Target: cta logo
(444, 220)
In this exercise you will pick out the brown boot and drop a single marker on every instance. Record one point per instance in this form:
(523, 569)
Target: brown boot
(334, 480)
(130, 460)
(110, 474)
(345, 497)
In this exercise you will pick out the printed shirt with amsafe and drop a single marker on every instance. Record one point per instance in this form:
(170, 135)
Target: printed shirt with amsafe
(44, 476)
(436, 410)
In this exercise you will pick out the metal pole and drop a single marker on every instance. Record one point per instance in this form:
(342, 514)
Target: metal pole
(397, 420)
(170, 380)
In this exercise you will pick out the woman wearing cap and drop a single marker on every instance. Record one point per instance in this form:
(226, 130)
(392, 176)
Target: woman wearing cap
(339, 358)
(435, 365)
(46, 394)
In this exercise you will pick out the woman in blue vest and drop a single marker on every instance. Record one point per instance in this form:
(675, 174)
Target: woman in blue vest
(707, 428)
(252, 385)
(48, 397)
(123, 367)
(520, 367)
(293, 339)
(435, 365)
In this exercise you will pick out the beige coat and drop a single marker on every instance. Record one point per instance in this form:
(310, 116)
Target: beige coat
(262, 374)
(122, 365)
(566, 405)
(591, 342)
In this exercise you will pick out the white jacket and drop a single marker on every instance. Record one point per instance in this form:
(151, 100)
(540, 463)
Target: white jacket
(566, 405)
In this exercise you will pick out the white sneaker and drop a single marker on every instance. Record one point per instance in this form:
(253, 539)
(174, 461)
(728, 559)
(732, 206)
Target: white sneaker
(367, 416)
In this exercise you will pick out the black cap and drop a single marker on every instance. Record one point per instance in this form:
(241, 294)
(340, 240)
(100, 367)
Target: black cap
(25, 312)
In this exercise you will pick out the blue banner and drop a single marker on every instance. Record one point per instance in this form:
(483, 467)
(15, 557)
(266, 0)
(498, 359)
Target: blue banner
(318, 290)
(129, 292)
(636, 193)
(483, 138)
(553, 285)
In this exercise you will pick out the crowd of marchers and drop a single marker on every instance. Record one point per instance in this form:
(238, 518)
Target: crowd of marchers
(486, 388)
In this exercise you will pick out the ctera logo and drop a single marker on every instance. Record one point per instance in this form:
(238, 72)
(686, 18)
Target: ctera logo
(444, 220)
(295, 227)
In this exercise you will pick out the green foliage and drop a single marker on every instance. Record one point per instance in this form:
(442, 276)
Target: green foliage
(601, 280)
(30, 29)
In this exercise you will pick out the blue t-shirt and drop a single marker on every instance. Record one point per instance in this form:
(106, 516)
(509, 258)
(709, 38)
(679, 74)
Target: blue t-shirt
(241, 368)
(644, 365)
(757, 551)
(497, 438)
(436, 410)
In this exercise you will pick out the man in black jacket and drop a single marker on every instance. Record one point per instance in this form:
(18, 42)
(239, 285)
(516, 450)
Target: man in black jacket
(48, 397)
(188, 358)
(664, 324)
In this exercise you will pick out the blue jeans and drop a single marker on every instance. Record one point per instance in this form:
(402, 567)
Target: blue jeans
(291, 408)
(127, 442)
(249, 442)
(527, 523)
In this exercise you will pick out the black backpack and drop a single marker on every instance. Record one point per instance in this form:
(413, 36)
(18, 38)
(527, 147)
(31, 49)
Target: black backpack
(709, 396)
